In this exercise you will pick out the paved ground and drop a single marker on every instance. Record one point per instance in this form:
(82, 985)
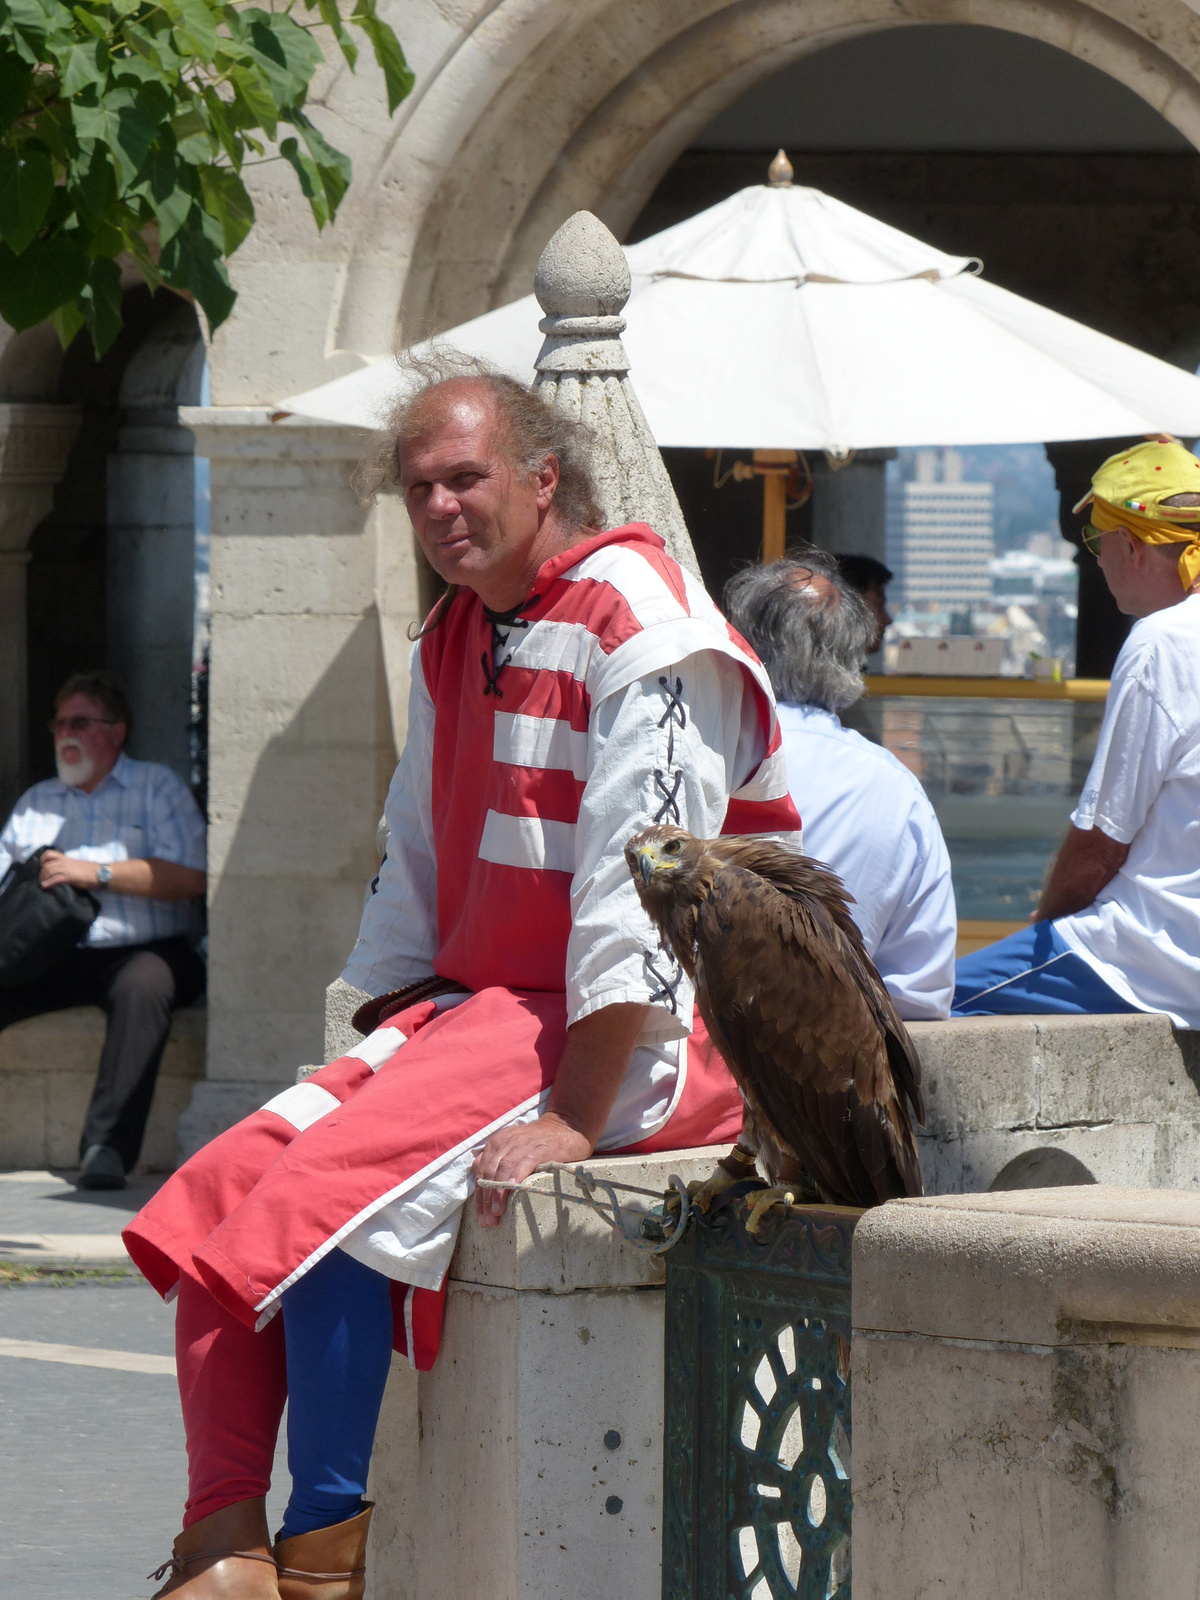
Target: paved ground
(92, 1473)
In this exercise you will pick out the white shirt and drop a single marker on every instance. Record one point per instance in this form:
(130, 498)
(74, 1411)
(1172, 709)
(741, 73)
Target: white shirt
(1142, 932)
(867, 817)
(140, 809)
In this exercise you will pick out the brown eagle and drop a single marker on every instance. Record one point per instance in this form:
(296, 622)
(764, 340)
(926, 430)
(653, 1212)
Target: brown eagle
(829, 1075)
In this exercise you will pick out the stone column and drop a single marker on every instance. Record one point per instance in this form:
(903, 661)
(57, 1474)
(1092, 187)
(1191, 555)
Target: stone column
(1026, 1377)
(582, 284)
(302, 739)
(35, 441)
(533, 1467)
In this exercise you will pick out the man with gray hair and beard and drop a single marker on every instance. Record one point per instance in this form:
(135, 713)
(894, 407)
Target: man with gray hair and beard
(864, 813)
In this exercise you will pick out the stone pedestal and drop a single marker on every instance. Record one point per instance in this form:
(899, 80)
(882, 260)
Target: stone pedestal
(35, 441)
(309, 589)
(1026, 1372)
(538, 1471)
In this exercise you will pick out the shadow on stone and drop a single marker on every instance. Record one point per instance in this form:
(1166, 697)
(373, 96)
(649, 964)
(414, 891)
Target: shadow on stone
(1047, 1168)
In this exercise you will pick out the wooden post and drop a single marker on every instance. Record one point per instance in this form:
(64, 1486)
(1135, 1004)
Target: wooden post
(773, 467)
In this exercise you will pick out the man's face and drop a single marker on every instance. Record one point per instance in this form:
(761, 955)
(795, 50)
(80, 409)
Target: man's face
(476, 515)
(877, 605)
(87, 741)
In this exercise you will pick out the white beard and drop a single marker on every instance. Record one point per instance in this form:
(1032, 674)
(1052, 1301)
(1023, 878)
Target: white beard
(73, 773)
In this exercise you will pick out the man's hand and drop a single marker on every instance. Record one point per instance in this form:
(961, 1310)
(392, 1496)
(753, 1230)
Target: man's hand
(594, 1061)
(514, 1153)
(149, 879)
(58, 868)
(1087, 861)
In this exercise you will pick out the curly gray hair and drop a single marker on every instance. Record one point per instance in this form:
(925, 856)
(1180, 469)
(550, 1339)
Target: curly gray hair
(529, 431)
(809, 629)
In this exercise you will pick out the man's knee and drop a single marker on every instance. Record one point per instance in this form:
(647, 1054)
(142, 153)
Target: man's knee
(145, 981)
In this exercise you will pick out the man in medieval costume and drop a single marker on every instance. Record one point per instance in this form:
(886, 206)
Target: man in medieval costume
(571, 687)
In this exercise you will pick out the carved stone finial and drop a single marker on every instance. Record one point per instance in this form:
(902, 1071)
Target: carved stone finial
(781, 172)
(582, 284)
(582, 271)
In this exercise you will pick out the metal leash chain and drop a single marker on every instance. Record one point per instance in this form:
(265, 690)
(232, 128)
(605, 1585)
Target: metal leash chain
(618, 1219)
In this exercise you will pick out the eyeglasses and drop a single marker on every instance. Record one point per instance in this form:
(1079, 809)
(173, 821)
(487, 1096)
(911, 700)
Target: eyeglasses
(1091, 539)
(61, 725)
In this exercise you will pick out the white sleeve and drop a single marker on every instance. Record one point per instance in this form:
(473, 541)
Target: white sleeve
(1136, 750)
(397, 938)
(669, 748)
(915, 953)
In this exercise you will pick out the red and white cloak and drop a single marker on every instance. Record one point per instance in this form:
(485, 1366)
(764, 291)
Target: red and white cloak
(538, 742)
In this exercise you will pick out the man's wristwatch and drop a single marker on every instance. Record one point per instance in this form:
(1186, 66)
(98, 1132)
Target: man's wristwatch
(104, 876)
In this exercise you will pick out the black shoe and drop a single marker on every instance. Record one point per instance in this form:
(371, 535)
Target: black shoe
(101, 1168)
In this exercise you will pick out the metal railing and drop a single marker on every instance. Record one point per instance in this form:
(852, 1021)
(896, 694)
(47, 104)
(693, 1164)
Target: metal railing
(756, 1445)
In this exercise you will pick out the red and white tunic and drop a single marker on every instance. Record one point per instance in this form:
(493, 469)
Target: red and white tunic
(538, 742)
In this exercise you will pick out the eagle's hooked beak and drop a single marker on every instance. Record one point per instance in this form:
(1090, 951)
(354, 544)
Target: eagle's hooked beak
(647, 861)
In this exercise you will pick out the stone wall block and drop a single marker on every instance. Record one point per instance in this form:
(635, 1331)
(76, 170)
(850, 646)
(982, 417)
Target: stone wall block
(545, 1242)
(1029, 1266)
(1112, 1069)
(964, 1486)
(1126, 1154)
(1026, 1390)
(392, 1550)
(294, 574)
(977, 1074)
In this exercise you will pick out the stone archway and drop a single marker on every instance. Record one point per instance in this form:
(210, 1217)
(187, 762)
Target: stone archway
(595, 108)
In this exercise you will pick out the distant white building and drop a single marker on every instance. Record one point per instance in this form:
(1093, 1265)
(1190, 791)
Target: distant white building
(942, 534)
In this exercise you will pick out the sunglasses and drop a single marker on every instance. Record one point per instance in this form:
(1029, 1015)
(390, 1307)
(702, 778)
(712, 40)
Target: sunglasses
(60, 725)
(1091, 539)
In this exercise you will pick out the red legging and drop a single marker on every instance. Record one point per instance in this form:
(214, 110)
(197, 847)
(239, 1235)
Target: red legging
(232, 1386)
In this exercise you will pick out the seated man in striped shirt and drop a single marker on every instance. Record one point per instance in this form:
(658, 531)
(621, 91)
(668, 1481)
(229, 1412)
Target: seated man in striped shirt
(129, 833)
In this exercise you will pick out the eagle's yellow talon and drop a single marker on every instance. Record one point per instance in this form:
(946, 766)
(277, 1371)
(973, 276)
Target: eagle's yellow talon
(762, 1203)
(703, 1194)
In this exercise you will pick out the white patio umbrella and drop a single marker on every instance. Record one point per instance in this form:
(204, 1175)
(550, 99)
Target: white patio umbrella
(784, 319)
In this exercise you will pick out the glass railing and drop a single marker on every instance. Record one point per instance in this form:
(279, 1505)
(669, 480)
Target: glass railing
(1003, 768)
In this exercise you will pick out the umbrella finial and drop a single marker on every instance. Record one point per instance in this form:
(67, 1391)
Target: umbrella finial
(781, 172)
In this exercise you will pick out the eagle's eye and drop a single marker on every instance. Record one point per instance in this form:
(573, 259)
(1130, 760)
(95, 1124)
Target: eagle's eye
(672, 847)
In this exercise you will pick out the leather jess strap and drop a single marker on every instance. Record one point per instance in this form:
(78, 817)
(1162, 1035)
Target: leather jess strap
(176, 1564)
(321, 1577)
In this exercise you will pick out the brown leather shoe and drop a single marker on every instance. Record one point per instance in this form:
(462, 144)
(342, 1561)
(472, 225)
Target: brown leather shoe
(223, 1557)
(330, 1564)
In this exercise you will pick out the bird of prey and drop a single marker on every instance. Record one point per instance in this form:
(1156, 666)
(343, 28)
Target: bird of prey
(829, 1076)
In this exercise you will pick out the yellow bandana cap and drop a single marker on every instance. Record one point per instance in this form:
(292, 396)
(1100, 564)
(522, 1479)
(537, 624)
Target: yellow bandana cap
(1128, 492)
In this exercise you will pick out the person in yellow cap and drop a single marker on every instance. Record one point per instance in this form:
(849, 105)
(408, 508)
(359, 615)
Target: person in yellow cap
(1118, 926)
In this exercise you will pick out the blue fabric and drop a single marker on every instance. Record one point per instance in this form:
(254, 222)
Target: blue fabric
(337, 1324)
(1034, 970)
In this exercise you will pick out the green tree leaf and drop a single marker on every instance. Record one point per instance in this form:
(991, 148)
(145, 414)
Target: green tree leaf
(193, 262)
(332, 17)
(26, 189)
(196, 24)
(226, 200)
(397, 74)
(86, 65)
(312, 184)
(34, 284)
(101, 301)
(15, 81)
(124, 126)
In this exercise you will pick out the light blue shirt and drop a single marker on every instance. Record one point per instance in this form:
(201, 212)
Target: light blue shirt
(140, 809)
(867, 817)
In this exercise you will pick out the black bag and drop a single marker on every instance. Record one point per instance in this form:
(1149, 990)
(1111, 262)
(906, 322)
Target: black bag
(39, 927)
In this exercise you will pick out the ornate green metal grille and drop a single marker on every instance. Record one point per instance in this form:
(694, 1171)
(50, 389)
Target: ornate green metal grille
(756, 1472)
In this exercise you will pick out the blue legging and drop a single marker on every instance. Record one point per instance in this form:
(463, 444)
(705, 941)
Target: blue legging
(337, 1324)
